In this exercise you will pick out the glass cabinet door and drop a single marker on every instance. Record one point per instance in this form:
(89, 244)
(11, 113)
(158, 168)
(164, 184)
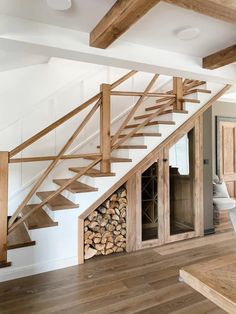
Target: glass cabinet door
(181, 185)
(149, 185)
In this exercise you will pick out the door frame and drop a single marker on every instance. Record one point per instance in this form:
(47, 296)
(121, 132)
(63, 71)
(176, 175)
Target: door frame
(198, 185)
(219, 119)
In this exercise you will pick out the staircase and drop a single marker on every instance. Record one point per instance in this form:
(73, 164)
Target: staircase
(49, 212)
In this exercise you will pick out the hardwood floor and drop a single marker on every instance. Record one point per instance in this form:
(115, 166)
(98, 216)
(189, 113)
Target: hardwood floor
(142, 282)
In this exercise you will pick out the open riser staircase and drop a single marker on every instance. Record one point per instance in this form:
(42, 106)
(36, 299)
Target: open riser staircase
(46, 220)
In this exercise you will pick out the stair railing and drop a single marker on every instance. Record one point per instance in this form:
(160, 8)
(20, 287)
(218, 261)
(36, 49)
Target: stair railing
(101, 101)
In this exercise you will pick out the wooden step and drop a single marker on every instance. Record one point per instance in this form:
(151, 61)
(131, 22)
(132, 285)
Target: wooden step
(113, 159)
(132, 147)
(193, 101)
(178, 111)
(76, 186)
(153, 107)
(198, 90)
(164, 99)
(142, 134)
(39, 219)
(144, 116)
(92, 172)
(19, 237)
(57, 203)
(131, 126)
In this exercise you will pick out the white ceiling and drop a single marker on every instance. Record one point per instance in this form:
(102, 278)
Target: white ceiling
(159, 26)
(156, 29)
(83, 15)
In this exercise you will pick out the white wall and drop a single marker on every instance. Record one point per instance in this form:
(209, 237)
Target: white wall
(34, 97)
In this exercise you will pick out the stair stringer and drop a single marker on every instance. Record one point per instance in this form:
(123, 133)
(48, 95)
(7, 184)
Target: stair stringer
(57, 247)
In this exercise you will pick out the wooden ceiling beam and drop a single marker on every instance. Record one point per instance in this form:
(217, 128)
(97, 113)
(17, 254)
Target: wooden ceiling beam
(224, 10)
(220, 58)
(118, 20)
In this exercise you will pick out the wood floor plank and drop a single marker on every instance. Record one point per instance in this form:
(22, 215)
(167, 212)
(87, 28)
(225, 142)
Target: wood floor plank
(139, 282)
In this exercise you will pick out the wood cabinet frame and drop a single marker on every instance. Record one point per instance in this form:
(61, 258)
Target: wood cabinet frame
(134, 218)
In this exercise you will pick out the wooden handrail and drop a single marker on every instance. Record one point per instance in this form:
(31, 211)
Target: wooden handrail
(123, 79)
(134, 109)
(51, 196)
(52, 165)
(68, 116)
(12, 224)
(144, 123)
(48, 158)
(54, 125)
(124, 93)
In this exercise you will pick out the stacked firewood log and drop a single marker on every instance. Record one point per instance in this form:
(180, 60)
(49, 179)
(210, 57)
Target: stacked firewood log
(105, 228)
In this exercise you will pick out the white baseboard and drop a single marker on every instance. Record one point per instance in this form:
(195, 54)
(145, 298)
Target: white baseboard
(29, 270)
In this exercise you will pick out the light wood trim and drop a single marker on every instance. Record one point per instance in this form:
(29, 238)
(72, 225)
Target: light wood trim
(123, 79)
(145, 122)
(118, 20)
(221, 10)
(153, 154)
(193, 84)
(134, 109)
(51, 196)
(133, 218)
(52, 165)
(198, 182)
(80, 241)
(125, 93)
(220, 58)
(105, 128)
(178, 91)
(198, 178)
(54, 125)
(48, 158)
(3, 205)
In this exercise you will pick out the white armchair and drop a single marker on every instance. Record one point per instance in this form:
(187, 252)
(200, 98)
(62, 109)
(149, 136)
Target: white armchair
(222, 201)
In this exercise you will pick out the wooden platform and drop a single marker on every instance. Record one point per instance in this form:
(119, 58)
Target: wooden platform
(215, 279)
(144, 282)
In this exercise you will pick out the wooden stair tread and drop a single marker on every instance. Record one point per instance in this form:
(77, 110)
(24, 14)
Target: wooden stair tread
(57, 203)
(142, 134)
(39, 219)
(198, 90)
(76, 186)
(194, 101)
(144, 116)
(19, 237)
(130, 147)
(179, 111)
(92, 172)
(113, 159)
(153, 107)
(134, 125)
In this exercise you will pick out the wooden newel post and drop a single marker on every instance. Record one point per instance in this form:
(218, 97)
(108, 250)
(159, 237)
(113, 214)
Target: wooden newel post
(4, 158)
(105, 125)
(178, 91)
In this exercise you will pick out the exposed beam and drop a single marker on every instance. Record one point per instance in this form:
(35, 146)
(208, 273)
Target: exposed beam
(220, 58)
(220, 9)
(118, 20)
